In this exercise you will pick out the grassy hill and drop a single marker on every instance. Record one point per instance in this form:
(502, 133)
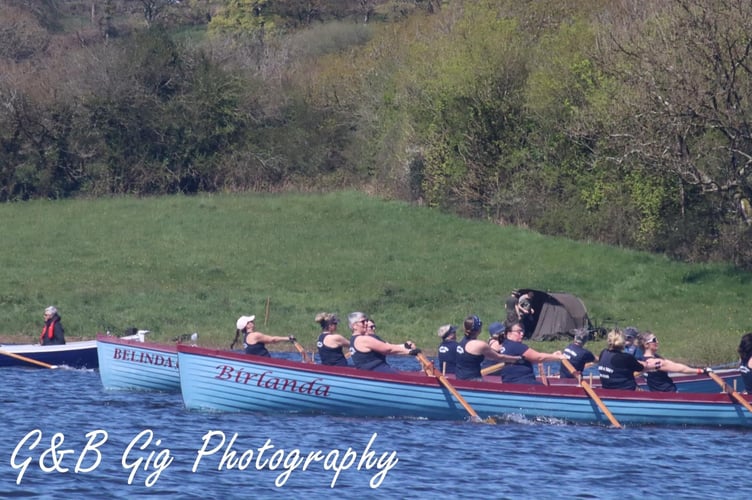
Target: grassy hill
(176, 265)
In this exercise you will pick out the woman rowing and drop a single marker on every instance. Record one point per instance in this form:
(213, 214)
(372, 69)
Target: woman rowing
(471, 352)
(330, 343)
(659, 380)
(253, 341)
(369, 352)
(617, 368)
(522, 372)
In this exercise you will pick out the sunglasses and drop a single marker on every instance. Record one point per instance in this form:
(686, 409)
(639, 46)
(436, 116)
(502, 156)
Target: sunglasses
(653, 340)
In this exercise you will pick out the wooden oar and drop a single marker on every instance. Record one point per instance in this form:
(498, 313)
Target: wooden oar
(542, 373)
(28, 360)
(492, 368)
(731, 392)
(302, 351)
(591, 393)
(429, 367)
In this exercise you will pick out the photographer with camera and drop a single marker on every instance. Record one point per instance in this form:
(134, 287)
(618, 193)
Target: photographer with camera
(519, 308)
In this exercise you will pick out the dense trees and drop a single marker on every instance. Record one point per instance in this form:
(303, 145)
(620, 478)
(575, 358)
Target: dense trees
(687, 114)
(621, 122)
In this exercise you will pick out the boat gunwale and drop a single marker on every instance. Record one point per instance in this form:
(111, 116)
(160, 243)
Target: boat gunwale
(146, 344)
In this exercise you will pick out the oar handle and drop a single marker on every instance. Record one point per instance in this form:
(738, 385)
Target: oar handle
(301, 350)
(542, 373)
(492, 368)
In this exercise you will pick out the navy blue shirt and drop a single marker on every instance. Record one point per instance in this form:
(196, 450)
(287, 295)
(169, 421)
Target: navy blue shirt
(448, 356)
(578, 356)
(616, 369)
(746, 374)
(520, 372)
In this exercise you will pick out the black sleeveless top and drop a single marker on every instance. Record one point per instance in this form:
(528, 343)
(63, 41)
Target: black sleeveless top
(659, 381)
(467, 366)
(366, 360)
(257, 349)
(331, 356)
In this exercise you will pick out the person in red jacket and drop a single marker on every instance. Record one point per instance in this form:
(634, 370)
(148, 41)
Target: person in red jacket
(53, 332)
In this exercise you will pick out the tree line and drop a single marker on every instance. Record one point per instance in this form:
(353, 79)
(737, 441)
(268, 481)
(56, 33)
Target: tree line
(612, 121)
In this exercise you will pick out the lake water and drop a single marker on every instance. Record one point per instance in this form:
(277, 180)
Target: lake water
(127, 444)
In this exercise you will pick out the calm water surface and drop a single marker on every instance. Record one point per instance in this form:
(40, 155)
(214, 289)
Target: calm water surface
(133, 435)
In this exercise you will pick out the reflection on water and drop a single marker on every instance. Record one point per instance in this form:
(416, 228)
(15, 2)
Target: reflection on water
(149, 439)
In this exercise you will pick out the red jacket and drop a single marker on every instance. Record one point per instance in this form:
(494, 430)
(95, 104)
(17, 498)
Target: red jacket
(53, 332)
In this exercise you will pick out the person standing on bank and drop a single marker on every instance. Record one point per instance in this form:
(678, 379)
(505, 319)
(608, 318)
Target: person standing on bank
(577, 354)
(659, 380)
(520, 309)
(617, 368)
(471, 352)
(53, 332)
(447, 348)
(255, 342)
(368, 350)
(330, 343)
(522, 372)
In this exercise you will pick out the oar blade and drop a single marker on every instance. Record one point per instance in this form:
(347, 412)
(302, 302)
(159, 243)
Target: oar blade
(428, 366)
(590, 392)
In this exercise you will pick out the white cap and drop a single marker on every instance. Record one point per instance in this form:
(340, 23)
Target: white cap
(244, 320)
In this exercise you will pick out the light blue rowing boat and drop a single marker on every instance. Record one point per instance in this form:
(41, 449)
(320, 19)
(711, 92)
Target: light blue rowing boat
(135, 364)
(225, 381)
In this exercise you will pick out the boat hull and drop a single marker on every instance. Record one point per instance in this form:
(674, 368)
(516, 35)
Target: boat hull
(222, 381)
(81, 354)
(128, 364)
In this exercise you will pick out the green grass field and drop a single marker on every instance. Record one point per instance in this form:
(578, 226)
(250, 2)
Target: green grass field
(177, 265)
